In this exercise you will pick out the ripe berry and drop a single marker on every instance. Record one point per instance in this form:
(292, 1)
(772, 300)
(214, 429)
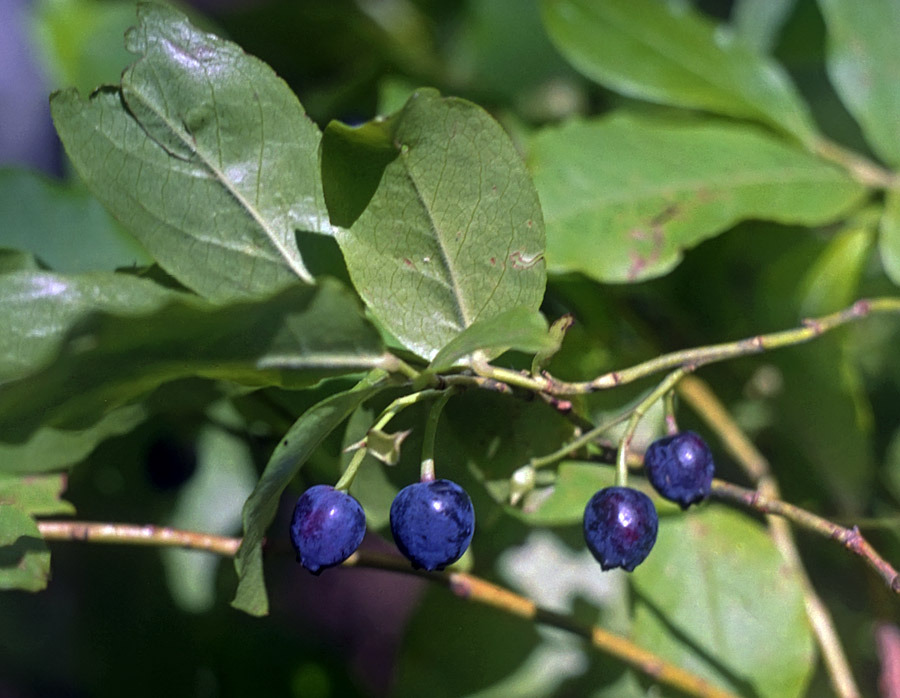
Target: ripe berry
(327, 527)
(680, 467)
(620, 526)
(432, 523)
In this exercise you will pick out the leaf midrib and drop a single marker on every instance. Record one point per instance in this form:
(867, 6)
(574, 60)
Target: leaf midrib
(292, 261)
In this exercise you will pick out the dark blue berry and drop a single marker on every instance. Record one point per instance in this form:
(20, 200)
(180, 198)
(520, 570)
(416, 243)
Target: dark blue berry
(680, 467)
(620, 526)
(432, 523)
(327, 527)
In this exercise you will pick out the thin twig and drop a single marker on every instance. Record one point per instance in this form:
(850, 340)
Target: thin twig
(850, 538)
(478, 590)
(861, 169)
(692, 358)
(702, 399)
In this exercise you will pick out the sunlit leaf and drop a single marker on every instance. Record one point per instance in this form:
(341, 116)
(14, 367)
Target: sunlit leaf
(670, 53)
(863, 65)
(441, 223)
(204, 154)
(708, 598)
(623, 196)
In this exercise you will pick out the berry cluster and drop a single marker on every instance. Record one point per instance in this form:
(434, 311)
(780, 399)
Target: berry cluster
(432, 523)
(620, 523)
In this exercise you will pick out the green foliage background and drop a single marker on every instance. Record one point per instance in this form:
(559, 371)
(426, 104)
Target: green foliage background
(699, 174)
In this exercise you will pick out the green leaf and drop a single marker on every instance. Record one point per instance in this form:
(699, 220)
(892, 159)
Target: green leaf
(38, 308)
(716, 598)
(38, 495)
(669, 53)
(759, 22)
(50, 449)
(293, 339)
(831, 283)
(523, 329)
(449, 231)
(294, 449)
(24, 558)
(64, 227)
(863, 65)
(623, 196)
(889, 237)
(205, 155)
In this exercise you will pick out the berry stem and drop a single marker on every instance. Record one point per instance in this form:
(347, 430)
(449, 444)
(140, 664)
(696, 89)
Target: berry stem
(577, 443)
(428, 438)
(391, 411)
(666, 386)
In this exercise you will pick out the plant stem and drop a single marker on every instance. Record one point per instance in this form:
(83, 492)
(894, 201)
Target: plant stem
(696, 357)
(431, 424)
(391, 411)
(118, 533)
(477, 590)
(702, 399)
(850, 538)
(666, 386)
(861, 169)
(583, 440)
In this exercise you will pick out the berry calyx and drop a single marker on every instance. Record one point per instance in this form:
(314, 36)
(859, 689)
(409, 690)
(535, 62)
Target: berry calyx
(327, 527)
(432, 523)
(680, 468)
(620, 526)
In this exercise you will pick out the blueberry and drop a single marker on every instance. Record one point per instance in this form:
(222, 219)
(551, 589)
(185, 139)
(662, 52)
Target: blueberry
(327, 527)
(620, 526)
(680, 467)
(432, 523)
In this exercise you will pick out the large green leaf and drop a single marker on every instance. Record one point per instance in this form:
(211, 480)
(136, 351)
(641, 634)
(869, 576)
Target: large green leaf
(449, 230)
(294, 339)
(294, 449)
(863, 64)
(708, 598)
(668, 53)
(64, 227)
(205, 155)
(624, 195)
(24, 558)
(38, 308)
(759, 22)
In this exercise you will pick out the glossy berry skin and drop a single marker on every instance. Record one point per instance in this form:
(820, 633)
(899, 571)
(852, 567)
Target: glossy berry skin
(620, 526)
(432, 523)
(327, 527)
(680, 467)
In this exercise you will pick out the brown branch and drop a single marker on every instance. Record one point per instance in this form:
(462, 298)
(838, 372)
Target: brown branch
(463, 585)
(850, 538)
(478, 590)
(117, 533)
